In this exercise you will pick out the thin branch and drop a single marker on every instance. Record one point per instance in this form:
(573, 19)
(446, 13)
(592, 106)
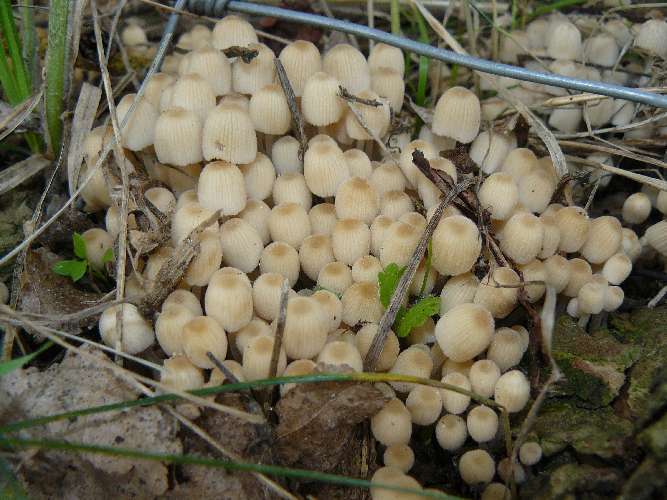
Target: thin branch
(297, 119)
(280, 328)
(343, 93)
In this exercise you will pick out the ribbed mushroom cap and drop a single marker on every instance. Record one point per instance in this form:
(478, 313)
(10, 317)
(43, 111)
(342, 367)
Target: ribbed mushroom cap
(483, 377)
(350, 240)
(489, 150)
(206, 262)
(498, 292)
(392, 425)
(257, 358)
(604, 239)
(376, 118)
(248, 78)
(325, 168)
(212, 65)
(409, 169)
(366, 268)
(305, 331)
(335, 277)
(512, 391)
(424, 404)
(228, 299)
(331, 306)
(229, 135)
(389, 83)
(292, 188)
(451, 432)
(339, 353)
(169, 328)
(280, 257)
(233, 30)
(390, 349)
(323, 218)
(178, 134)
(573, 223)
(464, 331)
(349, 66)
(201, 335)
(387, 177)
(398, 243)
(477, 467)
(289, 222)
(285, 155)
(499, 194)
(361, 303)
(184, 298)
(457, 115)
(155, 86)
(269, 110)
(358, 163)
(259, 177)
(522, 237)
(301, 59)
(191, 92)
(221, 187)
(137, 332)
(456, 245)
(180, 374)
(241, 244)
(564, 41)
(139, 131)
(356, 199)
(256, 213)
(386, 56)
(455, 402)
(320, 103)
(458, 290)
(636, 208)
(266, 295)
(400, 456)
(652, 37)
(315, 253)
(482, 423)
(187, 218)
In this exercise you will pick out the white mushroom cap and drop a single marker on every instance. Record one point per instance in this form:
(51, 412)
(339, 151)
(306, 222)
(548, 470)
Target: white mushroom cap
(301, 59)
(349, 66)
(212, 65)
(233, 30)
(229, 135)
(221, 187)
(248, 78)
(139, 131)
(457, 115)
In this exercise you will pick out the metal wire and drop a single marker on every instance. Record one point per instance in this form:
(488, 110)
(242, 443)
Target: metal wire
(218, 8)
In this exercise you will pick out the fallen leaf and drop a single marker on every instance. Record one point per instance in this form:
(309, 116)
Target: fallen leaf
(317, 421)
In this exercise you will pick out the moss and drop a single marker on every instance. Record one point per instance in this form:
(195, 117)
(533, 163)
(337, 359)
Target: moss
(599, 432)
(573, 481)
(646, 482)
(594, 364)
(654, 438)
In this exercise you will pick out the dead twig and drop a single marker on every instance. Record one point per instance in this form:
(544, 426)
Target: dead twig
(244, 53)
(280, 328)
(172, 271)
(297, 119)
(343, 93)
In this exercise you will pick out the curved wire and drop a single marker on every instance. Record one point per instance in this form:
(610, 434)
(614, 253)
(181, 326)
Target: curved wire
(218, 8)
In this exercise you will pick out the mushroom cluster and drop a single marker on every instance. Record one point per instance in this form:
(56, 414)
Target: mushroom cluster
(581, 47)
(328, 221)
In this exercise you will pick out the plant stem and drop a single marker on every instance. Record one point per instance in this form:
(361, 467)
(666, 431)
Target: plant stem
(55, 70)
(395, 17)
(13, 44)
(546, 9)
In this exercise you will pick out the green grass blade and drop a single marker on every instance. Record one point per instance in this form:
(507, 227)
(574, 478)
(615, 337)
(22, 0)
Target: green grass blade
(55, 70)
(395, 17)
(541, 10)
(28, 36)
(7, 80)
(420, 98)
(13, 44)
(210, 391)
(272, 470)
(14, 364)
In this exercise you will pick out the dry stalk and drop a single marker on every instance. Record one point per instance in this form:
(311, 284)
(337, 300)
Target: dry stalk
(128, 375)
(297, 119)
(644, 179)
(343, 93)
(365, 126)
(612, 151)
(173, 269)
(280, 328)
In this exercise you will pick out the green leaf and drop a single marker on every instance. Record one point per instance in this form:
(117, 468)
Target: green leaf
(74, 269)
(416, 315)
(108, 256)
(14, 364)
(388, 281)
(79, 245)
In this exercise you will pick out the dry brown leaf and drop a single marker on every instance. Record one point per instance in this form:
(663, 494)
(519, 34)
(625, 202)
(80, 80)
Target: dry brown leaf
(317, 421)
(45, 292)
